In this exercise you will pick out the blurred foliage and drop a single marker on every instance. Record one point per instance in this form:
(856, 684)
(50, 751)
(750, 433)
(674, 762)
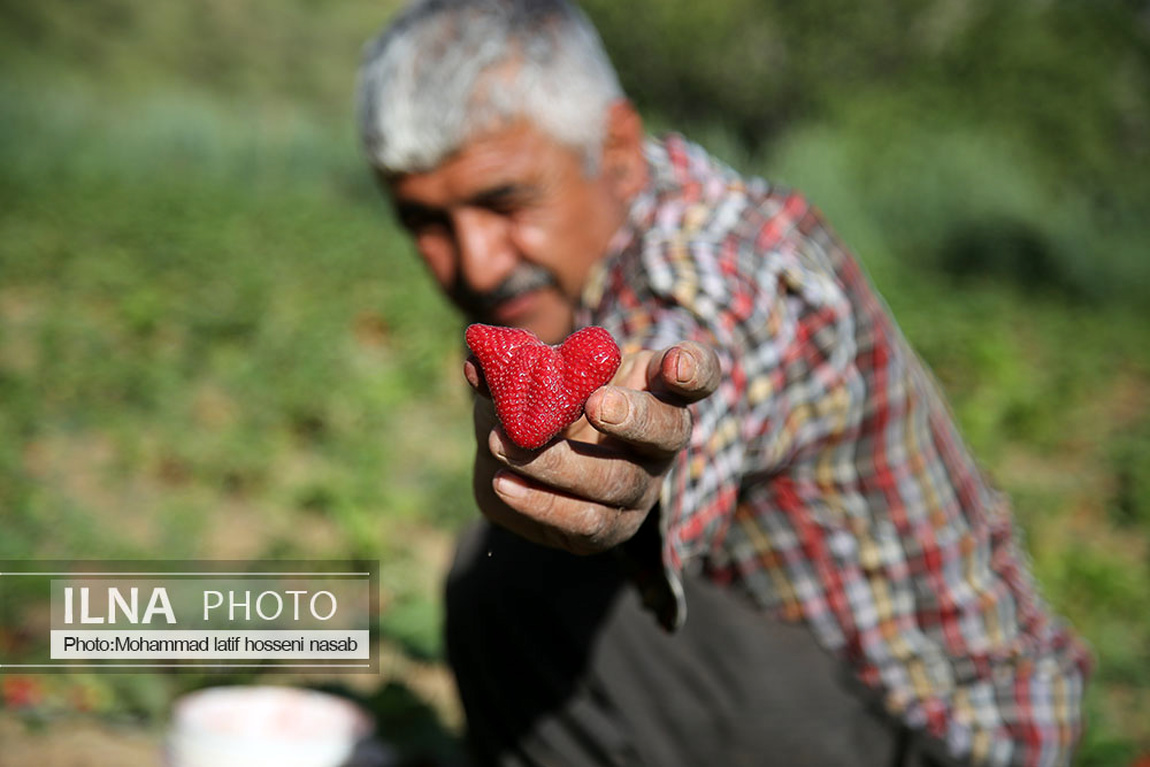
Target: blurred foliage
(1009, 140)
(263, 50)
(1069, 78)
(214, 342)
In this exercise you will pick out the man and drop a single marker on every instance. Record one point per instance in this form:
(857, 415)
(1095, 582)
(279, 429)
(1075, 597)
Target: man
(772, 476)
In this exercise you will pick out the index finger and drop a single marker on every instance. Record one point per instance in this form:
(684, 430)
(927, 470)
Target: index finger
(655, 427)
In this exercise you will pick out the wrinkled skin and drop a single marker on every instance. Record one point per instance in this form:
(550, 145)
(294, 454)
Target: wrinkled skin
(592, 488)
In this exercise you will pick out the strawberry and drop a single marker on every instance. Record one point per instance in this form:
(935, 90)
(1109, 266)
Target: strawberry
(540, 390)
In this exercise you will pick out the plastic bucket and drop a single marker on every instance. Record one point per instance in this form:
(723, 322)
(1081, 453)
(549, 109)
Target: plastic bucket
(257, 726)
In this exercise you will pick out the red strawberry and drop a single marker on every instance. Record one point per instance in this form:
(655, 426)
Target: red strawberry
(540, 390)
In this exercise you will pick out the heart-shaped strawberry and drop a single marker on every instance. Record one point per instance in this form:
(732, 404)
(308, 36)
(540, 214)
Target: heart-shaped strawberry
(540, 390)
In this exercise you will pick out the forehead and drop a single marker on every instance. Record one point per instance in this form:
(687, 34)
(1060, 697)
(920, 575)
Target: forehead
(517, 154)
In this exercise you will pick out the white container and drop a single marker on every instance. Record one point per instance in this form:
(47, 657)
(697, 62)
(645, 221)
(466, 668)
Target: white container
(258, 726)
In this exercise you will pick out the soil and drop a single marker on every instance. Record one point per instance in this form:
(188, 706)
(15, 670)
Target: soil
(81, 742)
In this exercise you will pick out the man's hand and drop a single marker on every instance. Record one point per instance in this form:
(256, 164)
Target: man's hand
(593, 488)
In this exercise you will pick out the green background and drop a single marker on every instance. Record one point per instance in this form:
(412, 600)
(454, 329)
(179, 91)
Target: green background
(214, 341)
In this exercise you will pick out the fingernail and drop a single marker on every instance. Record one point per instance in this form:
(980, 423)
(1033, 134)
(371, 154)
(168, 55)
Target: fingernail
(496, 444)
(685, 367)
(512, 488)
(507, 451)
(613, 407)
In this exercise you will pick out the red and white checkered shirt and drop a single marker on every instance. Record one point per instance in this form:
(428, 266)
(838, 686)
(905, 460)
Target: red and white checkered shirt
(826, 476)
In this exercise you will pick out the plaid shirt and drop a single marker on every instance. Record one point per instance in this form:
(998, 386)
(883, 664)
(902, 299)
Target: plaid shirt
(826, 477)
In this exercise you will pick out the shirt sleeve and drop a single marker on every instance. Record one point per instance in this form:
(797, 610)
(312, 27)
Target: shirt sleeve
(781, 331)
(654, 303)
(701, 487)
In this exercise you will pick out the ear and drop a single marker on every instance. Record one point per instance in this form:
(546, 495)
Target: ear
(624, 167)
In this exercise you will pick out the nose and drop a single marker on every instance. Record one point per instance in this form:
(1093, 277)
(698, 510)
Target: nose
(486, 254)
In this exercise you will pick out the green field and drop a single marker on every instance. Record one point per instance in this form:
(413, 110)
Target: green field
(215, 343)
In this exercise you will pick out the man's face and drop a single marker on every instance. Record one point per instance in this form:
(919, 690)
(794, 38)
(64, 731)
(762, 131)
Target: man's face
(511, 225)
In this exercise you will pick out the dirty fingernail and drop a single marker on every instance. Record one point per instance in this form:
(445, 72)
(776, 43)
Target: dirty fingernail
(496, 444)
(685, 367)
(612, 407)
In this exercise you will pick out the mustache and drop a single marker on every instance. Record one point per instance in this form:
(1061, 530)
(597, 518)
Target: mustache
(525, 279)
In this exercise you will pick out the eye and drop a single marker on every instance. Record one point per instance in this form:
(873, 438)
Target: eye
(419, 220)
(502, 207)
(508, 200)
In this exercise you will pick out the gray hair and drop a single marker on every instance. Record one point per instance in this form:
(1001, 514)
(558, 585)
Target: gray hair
(444, 70)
